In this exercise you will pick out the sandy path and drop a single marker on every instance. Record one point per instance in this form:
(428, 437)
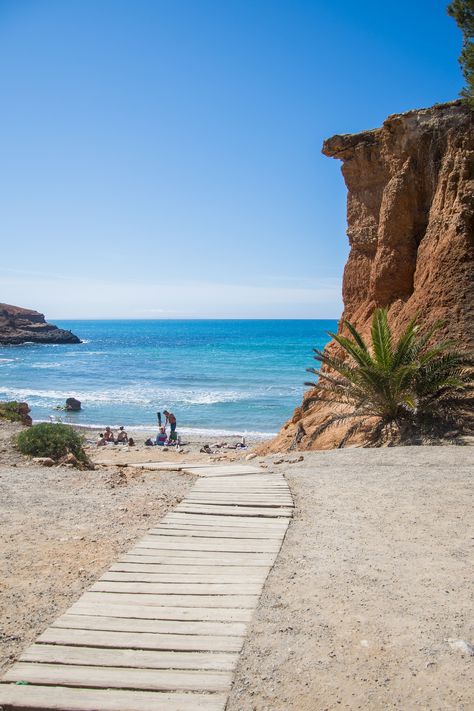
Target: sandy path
(60, 528)
(376, 573)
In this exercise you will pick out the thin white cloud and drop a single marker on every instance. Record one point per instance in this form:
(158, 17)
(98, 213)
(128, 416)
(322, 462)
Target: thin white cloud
(86, 298)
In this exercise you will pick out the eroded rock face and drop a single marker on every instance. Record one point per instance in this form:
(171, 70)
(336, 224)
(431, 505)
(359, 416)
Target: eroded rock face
(19, 325)
(410, 215)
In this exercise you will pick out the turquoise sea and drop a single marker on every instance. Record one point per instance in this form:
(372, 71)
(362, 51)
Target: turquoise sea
(221, 376)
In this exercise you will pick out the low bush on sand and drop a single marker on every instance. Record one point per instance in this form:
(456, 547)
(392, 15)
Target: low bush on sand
(52, 440)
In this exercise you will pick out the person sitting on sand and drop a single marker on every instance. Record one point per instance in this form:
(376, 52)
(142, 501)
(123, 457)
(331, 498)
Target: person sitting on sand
(101, 442)
(171, 419)
(122, 437)
(109, 435)
(131, 442)
(161, 437)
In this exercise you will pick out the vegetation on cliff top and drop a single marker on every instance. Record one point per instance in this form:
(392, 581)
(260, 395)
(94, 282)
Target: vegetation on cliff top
(10, 411)
(463, 12)
(395, 392)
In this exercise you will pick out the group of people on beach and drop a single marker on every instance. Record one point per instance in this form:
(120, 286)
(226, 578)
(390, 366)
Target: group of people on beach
(108, 437)
(162, 438)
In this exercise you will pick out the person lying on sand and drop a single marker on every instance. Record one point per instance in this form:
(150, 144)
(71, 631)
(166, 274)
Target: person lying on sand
(122, 437)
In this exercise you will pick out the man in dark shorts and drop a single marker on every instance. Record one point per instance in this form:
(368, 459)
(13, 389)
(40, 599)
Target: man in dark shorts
(172, 420)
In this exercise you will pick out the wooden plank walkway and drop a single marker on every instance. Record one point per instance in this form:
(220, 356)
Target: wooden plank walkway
(163, 627)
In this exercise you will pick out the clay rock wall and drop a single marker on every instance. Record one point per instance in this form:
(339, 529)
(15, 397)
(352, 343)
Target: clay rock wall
(410, 216)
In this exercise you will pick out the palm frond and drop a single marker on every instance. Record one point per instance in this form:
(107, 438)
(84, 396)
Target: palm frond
(407, 387)
(382, 339)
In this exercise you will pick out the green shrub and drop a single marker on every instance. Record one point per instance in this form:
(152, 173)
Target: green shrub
(10, 411)
(52, 440)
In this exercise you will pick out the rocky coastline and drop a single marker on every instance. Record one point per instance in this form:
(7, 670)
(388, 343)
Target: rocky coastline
(19, 325)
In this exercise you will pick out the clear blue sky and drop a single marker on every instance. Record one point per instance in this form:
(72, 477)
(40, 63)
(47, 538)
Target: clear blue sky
(161, 158)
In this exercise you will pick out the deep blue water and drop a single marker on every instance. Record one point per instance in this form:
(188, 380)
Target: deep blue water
(229, 376)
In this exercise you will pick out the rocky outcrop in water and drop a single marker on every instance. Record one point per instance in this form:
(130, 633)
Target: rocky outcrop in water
(19, 326)
(410, 215)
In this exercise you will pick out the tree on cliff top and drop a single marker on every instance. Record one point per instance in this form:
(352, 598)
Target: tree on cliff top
(463, 12)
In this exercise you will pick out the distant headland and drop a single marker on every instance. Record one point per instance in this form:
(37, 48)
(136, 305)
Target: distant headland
(18, 325)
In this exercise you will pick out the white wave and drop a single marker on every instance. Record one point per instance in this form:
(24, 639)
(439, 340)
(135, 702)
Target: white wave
(189, 431)
(7, 360)
(151, 397)
(45, 366)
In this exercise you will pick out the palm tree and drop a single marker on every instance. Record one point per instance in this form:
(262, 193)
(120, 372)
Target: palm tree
(395, 391)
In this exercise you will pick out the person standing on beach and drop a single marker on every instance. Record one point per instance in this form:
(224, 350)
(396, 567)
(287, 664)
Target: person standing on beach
(171, 419)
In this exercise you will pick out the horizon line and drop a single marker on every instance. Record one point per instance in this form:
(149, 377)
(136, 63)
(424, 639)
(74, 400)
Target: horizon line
(190, 318)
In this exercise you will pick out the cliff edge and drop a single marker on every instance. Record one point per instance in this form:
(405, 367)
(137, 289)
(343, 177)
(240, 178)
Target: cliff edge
(19, 326)
(410, 216)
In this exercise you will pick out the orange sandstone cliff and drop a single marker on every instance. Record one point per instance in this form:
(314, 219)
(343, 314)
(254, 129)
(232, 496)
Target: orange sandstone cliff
(410, 215)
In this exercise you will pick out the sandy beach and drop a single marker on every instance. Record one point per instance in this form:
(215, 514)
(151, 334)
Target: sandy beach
(368, 606)
(222, 448)
(61, 528)
(371, 598)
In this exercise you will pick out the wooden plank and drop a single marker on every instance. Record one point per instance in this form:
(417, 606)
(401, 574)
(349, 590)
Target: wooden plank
(275, 523)
(253, 501)
(122, 624)
(139, 658)
(209, 557)
(208, 532)
(123, 678)
(259, 526)
(26, 698)
(243, 521)
(233, 511)
(226, 470)
(187, 543)
(172, 589)
(118, 607)
(189, 584)
(138, 640)
(217, 540)
(142, 556)
(137, 572)
(206, 601)
(146, 565)
(226, 522)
